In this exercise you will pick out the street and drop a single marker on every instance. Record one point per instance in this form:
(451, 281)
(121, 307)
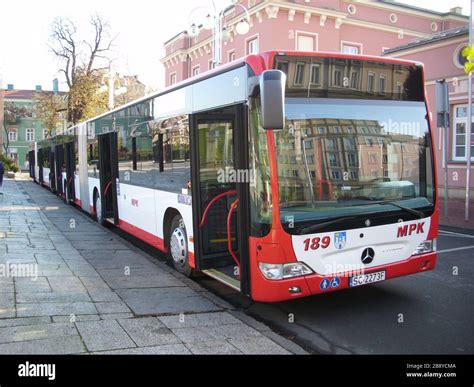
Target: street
(429, 313)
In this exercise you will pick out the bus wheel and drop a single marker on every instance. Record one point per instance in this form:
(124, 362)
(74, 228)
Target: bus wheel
(98, 210)
(178, 246)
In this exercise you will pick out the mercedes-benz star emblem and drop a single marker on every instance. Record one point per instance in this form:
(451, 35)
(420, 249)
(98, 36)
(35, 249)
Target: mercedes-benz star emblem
(368, 256)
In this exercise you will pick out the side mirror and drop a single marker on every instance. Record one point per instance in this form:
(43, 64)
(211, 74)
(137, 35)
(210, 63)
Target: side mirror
(272, 94)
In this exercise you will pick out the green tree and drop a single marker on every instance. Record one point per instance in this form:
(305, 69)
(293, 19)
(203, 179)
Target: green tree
(48, 109)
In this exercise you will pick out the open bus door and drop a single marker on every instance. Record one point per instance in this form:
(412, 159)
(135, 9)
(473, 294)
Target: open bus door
(70, 162)
(220, 202)
(52, 170)
(108, 167)
(32, 164)
(58, 168)
(40, 166)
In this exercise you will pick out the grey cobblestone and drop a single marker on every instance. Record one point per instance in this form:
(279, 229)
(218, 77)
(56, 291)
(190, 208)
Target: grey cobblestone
(83, 301)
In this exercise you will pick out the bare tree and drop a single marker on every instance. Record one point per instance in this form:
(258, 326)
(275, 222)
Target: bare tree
(79, 59)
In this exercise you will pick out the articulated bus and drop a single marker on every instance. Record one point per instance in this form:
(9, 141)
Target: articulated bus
(282, 175)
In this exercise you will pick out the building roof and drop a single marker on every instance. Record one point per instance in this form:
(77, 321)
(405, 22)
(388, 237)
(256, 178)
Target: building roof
(25, 94)
(435, 38)
(387, 2)
(412, 7)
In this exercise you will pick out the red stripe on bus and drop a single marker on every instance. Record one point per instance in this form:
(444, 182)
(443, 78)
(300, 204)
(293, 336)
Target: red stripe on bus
(143, 235)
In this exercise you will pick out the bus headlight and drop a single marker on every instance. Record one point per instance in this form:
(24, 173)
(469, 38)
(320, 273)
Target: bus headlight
(276, 272)
(426, 247)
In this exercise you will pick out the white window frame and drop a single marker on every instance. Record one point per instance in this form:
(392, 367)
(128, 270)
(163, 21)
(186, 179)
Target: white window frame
(30, 131)
(45, 134)
(459, 120)
(251, 39)
(174, 76)
(193, 70)
(360, 46)
(309, 34)
(230, 54)
(15, 137)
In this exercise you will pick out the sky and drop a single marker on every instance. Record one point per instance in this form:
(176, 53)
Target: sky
(142, 27)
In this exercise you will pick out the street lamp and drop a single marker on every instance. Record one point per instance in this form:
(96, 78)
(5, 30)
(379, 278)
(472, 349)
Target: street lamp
(221, 33)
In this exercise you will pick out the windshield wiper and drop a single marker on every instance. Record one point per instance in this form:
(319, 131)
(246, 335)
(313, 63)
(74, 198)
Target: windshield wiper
(310, 229)
(412, 211)
(374, 200)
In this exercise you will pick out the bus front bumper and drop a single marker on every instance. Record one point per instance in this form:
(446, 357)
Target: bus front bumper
(265, 290)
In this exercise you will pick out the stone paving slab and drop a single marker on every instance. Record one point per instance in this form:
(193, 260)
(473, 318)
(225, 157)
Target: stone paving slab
(94, 292)
(104, 335)
(158, 301)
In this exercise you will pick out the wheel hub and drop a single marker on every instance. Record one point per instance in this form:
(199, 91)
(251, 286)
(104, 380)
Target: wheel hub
(178, 247)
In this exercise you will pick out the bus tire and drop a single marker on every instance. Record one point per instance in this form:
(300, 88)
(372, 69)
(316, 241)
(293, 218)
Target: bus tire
(178, 253)
(98, 210)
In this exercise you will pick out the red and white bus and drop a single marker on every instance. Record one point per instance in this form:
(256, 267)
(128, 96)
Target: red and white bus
(282, 175)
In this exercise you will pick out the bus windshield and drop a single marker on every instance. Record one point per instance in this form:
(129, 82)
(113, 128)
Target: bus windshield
(349, 157)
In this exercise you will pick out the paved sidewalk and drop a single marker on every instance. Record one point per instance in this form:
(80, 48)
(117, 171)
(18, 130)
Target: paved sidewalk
(89, 291)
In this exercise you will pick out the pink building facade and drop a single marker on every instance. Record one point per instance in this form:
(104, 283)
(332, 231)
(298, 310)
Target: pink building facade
(359, 27)
(441, 54)
(370, 27)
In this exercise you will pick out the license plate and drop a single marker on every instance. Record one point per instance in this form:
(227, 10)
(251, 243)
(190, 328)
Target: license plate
(366, 279)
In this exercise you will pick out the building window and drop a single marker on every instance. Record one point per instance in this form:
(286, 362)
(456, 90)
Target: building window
(371, 82)
(315, 74)
(382, 82)
(372, 158)
(12, 135)
(393, 18)
(231, 56)
(299, 74)
(459, 59)
(30, 135)
(351, 8)
(338, 75)
(333, 160)
(351, 49)
(459, 133)
(252, 46)
(173, 79)
(45, 134)
(211, 64)
(352, 160)
(355, 79)
(306, 42)
(196, 71)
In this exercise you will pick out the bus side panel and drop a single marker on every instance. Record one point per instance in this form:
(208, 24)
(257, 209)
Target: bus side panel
(136, 206)
(183, 204)
(83, 177)
(46, 172)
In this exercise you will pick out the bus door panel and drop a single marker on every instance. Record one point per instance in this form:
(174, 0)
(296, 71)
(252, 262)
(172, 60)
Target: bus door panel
(218, 191)
(52, 169)
(108, 167)
(70, 162)
(40, 166)
(32, 164)
(59, 167)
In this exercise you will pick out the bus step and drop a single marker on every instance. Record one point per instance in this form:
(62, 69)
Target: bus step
(223, 278)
